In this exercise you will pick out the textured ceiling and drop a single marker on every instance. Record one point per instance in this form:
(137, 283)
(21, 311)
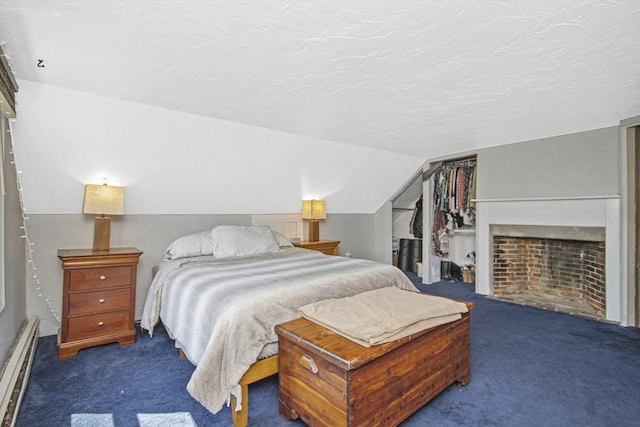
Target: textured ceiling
(423, 78)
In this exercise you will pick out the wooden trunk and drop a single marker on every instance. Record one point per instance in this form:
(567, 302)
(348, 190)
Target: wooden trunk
(328, 380)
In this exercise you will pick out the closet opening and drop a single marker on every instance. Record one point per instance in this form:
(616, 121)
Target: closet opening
(452, 224)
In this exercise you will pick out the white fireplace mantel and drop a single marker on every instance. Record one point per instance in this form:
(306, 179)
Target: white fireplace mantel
(561, 212)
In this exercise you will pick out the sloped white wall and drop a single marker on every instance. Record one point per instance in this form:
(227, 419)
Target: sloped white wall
(182, 173)
(177, 163)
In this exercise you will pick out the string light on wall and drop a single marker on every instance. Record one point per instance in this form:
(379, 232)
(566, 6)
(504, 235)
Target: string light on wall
(25, 235)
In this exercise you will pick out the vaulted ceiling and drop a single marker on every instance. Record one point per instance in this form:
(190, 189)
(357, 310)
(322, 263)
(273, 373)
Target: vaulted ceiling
(421, 78)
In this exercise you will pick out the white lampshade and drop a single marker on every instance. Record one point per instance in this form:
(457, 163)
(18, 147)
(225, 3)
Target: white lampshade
(314, 209)
(103, 200)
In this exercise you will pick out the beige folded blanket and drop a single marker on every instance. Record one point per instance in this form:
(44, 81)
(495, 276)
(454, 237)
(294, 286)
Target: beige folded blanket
(383, 315)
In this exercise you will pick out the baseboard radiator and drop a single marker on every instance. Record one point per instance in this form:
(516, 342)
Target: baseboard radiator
(16, 372)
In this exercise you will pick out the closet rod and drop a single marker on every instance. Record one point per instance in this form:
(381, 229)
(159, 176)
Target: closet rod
(444, 164)
(469, 161)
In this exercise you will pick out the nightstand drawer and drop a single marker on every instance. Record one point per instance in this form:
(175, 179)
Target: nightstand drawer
(99, 277)
(99, 324)
(95, 302)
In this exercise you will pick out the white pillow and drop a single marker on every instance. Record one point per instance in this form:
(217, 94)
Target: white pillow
(190, 245)
(237, 241)
(281, 239)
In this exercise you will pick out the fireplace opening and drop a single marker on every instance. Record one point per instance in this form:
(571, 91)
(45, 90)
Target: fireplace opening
(556, 274)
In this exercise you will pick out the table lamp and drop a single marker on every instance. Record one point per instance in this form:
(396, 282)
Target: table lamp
(102, 200)
(313, 210)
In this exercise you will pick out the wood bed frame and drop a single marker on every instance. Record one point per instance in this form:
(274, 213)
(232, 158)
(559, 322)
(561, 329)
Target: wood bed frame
(258, 371)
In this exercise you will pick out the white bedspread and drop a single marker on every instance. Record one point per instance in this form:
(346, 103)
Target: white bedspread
(222, 313)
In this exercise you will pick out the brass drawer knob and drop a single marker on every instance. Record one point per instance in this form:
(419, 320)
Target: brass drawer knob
(100, 324)
(103, 277)
(101, 301)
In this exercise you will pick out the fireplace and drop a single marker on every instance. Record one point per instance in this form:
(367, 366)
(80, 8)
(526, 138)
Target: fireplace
(585, 221)
(561, 274)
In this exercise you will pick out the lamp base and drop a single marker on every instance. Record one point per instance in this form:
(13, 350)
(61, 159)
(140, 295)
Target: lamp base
(101, 233)
(314, 230)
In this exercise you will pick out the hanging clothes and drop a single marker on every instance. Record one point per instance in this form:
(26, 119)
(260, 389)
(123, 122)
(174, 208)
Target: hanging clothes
(415, 226)
(439, 237)
(454, 189)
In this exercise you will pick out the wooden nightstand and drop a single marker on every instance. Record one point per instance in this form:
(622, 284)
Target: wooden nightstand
(329, 247)
(98, 298)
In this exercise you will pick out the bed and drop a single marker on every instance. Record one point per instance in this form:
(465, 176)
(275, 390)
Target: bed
(221, 308)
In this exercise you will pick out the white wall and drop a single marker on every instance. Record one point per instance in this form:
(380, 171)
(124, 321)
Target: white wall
(172, 162)
(573, 165)
(182, 173)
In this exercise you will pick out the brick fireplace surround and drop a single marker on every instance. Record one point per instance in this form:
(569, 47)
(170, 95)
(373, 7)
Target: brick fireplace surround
(557, 274)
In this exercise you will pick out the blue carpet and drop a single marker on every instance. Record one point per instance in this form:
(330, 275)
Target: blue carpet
(530, 367)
